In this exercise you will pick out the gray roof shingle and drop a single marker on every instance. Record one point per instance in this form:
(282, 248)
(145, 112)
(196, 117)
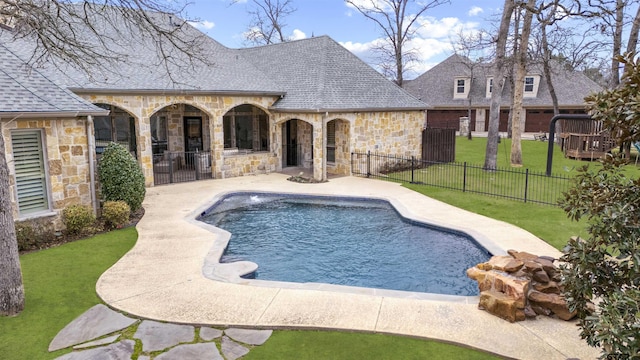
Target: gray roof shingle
(319, 74)
(437, 84)
(315, 74)
(26, 90)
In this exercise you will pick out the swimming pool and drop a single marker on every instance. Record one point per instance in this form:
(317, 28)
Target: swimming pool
(343, 241)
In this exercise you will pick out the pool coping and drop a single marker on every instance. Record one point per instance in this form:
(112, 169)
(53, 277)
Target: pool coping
(162, 277)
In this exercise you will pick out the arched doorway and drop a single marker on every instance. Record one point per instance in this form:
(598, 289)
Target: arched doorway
(297, 144)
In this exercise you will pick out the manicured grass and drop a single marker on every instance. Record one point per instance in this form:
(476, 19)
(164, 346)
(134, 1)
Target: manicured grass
(59, 285)
(301, 345)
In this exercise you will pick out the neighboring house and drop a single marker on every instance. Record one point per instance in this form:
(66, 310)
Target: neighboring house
(306, 103)
(46, 139)
(456, 85)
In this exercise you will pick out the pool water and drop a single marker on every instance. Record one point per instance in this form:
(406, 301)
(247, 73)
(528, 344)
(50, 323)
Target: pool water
(355, 242)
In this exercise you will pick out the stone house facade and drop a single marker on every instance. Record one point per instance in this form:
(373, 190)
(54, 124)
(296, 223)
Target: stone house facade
(307, 103)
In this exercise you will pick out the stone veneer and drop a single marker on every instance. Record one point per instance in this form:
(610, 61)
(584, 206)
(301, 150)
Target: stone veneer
(67, 162)
(397, 133)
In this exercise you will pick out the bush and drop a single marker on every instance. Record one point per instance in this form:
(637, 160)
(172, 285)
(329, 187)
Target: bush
(34, 234)
(116, 213)
(121, 177)
(603, 269)
(78, 219)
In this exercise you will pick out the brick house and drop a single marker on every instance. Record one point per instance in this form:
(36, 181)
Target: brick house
(226, 113)
(455, 85)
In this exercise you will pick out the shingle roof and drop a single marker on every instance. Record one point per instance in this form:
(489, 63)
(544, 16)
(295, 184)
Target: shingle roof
(315, 74)
(25, 90)
(437, 84)
(320, 74)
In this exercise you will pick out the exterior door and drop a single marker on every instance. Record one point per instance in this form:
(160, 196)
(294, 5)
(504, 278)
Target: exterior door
(192, 138)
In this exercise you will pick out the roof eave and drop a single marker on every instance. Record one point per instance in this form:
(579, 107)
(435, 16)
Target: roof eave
(50, 114)
(349, 110)
(177, 92)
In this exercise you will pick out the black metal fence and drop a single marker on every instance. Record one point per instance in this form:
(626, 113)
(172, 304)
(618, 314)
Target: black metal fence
(515, 184)
(175, 167)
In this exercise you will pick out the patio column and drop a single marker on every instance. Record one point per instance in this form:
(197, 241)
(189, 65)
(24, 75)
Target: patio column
(318, 150)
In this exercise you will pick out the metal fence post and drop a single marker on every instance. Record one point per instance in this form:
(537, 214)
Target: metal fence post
(526, 184)
(170, 168)
(464, 178)
(413, 159)
(368, 163)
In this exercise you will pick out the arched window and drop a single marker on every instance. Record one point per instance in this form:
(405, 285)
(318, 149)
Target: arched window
(246, 127)
(117, 127)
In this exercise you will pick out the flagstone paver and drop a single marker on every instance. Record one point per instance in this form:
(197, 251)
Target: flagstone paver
(202, 351)
(119, 350)
(158, 336)
(249, 336)
(232, 350)
(208, 334)
(105, 341)
(94, 323)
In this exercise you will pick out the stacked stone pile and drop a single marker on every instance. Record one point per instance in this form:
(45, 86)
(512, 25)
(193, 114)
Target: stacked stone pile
(520, 285)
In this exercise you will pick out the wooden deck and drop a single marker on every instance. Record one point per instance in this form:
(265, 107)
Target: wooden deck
(587, 146)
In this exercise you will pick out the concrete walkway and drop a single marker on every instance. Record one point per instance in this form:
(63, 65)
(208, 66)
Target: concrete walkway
(162, 278)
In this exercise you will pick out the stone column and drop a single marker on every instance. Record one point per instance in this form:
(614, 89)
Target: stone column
(318, 150)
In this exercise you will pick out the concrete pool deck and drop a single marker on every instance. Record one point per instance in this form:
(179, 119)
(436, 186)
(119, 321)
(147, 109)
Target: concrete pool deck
(162, 278)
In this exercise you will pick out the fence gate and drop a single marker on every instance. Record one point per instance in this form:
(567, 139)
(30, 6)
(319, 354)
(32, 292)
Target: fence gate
(439, 145)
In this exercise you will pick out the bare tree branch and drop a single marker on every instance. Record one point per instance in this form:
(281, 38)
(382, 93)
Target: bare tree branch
(397, 20)
(267, 20)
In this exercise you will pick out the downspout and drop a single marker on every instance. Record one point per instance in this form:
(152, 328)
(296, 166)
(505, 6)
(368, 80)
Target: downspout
(92, 169)
(324, 146)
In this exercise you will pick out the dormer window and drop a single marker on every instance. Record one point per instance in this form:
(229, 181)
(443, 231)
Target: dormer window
(461, 88)
(528, 84)
(531, 83)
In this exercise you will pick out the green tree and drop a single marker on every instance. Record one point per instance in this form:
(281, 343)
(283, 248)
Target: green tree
(121, 177)
(602, 271)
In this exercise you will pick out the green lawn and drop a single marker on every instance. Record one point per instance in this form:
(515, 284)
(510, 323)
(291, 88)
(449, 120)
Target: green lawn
(60, 284)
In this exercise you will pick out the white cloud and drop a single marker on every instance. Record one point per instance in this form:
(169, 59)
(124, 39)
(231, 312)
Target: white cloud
(369, 4)
(431, 43)
(297, 35)
(475, 11)
(203, 25)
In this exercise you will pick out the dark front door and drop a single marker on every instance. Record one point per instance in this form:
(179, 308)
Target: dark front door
(289, 138)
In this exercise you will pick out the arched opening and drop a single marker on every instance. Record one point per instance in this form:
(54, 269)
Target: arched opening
(180, 143)
(118, 127)
(246, 129)
(297, 144)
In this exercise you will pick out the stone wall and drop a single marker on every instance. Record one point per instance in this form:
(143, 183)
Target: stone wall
(239, 164)
(67, 163)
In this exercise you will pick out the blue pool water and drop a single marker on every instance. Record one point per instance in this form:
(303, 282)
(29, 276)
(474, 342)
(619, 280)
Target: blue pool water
(355, 242)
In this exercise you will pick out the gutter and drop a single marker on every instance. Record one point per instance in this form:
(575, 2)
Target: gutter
(347, 110)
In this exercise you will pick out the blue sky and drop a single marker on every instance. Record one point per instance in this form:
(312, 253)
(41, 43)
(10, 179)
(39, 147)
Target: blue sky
(439, 26)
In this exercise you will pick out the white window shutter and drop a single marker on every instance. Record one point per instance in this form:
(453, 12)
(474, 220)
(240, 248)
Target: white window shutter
(31, 178)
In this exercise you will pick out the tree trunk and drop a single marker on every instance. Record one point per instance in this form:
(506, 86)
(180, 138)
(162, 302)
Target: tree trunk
(11, 288)
(491, 154)
(617, 44)
(633, 36)
(518, 88)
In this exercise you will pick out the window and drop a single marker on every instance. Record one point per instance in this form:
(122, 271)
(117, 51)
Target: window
(331, 141)
(158, 133)
(460, 86)
(118, 127)
(30, 172)
(246, 127)
(490, 86)
(528, 84)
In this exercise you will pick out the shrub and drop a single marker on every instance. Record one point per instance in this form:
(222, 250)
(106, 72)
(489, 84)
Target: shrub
(116, 213)
(34, 234)
(78, 219)
(603, 268)
(121, 177)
